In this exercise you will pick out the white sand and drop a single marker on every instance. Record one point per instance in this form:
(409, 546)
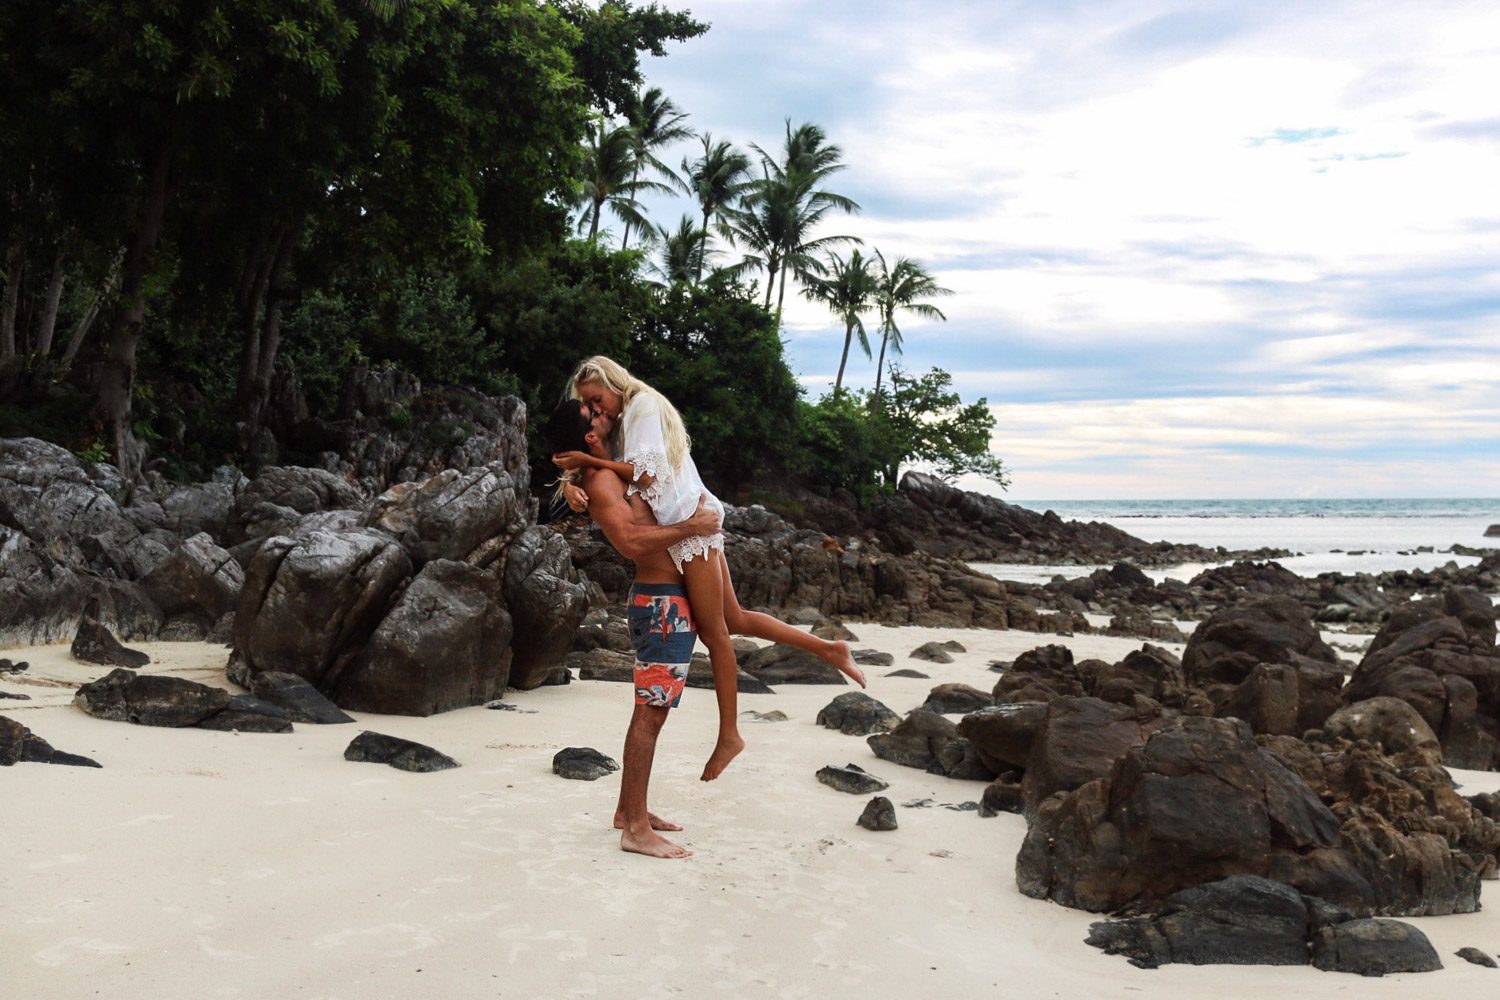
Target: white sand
(204, 864)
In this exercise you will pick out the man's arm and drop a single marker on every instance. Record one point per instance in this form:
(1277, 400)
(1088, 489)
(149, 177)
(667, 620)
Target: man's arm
(608, 507)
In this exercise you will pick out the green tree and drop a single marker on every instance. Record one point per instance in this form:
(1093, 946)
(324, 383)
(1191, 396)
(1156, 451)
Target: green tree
(900, 287)
(716, 180)
(847, 288)
(654, 122)
(612, 35)
(612, 177)
(680, 253)
(921, 419)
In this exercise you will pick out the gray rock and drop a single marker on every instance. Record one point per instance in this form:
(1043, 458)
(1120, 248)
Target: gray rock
(469, 517)
(949, 699)
(19, 744)
(855, 713)
(197, 577)
(1373, 947)
(296, 697)
(277, 498)
(908, 672)
(873, 658)
(933, 652)
(248, 714)
(582, 764)
(96, 644)
(851, 778)
(1474, 955)
(546, 601)
(878, 814)
(774, 715)
(779, 664)
(150, 699)
(404, 755)
(834, 632)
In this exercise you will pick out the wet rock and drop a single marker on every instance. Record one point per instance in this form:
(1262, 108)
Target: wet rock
(582, 764)
(1373, 947)
(404, 755)
(150, 699)
(851, 778)
(878, 814)
(855, 713)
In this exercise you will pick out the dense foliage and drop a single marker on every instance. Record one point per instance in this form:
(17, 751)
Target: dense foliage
(205, 207)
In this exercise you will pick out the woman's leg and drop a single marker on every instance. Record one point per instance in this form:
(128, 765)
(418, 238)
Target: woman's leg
(705, 588)
(741, 622)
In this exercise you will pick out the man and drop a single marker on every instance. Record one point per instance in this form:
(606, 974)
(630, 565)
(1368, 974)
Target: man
(661, 626)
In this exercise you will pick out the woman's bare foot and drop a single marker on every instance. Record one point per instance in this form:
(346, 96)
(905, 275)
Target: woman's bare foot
(843, 661)
(657, 823)
(727, 749)
(651, 844)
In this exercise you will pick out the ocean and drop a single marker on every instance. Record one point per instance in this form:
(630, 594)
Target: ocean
(1350, 536)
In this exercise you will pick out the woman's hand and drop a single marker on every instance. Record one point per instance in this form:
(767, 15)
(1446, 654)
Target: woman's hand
(570, 460)
(577, 499)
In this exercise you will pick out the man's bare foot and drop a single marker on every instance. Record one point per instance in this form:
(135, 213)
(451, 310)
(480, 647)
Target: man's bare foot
(657, 823)
(843, 661)
(651, 844)
(727, 749)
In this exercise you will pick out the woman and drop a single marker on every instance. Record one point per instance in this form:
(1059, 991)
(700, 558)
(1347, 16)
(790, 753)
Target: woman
(655, 462)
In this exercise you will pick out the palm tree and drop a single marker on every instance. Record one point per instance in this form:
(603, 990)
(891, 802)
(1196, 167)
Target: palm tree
(848, 291)
(716, 179)
(791, 185)
(898, 287)
(654, 122)
(611, 178)
(682, 253)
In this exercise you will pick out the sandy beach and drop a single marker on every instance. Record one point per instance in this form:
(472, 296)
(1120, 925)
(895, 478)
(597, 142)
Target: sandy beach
(207, 864)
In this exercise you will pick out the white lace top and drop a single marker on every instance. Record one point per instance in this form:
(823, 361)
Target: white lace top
(674, 492)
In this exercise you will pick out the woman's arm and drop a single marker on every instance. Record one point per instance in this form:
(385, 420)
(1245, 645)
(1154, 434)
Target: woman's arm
(577, 459)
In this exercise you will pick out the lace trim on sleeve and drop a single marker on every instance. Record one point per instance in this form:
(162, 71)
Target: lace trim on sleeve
(648, 462)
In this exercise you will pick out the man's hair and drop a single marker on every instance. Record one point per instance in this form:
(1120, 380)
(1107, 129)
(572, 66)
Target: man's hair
(566, 428)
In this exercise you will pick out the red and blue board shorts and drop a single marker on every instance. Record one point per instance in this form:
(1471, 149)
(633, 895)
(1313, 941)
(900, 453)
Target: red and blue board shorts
(663, 634)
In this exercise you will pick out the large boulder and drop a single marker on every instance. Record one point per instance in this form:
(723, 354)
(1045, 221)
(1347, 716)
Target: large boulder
(1225, 648)
(150, 699)
(1078, 741)
(197, 579)
(470, 517)
(928, 741)
(546, 600)
(855, 713)
(274, 501)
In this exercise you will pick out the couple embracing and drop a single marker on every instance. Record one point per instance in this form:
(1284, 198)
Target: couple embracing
(625, 457)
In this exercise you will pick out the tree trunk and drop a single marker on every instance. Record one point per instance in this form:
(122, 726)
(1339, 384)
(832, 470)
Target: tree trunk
(48, 325)
(625, 240)
(838, 383)
(117, 375)
(253, 282)
(15, 263)
(254, 394)
(702, 247)
(875, 399)
(773, 264)
(86, 323)
(594, 225)
(781, 297)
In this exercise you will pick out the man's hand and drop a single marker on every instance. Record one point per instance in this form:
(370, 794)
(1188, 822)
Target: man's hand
(577, 499)
(705, 520)
(570, 460)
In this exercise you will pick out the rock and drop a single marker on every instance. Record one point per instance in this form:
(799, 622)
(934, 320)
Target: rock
(1493, 531)
(950, 699)
(19, 744)
(1372, 947)
(96, 644)
(150, 699)
(1475, 956)
(1240, 920)
(404, 755)
(1390, 723)
(198, 578)
(855, 713)
(248, 714)
(444, 644)
(603, 665)
(774, 715)
(701, 676)
(874, 658)
(1226, 647)
(851, 778)
(467, 517)
(928, 741)
(933, 652)
(1197, 801)
(1002, 795)
(1039, 674)
(300, 700)
(13, 667)
(878, 814)
(277, 498)
(834, 632)
(1267, 700)
(1078, 741)
(780, 664)
(582, 764)
(546, 601)
(907, 672)
(1001, 735)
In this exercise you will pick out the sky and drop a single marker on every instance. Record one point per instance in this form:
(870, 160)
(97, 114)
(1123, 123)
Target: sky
(1196, 250)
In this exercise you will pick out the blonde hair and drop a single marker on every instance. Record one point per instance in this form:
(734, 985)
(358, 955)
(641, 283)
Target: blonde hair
(613, 376)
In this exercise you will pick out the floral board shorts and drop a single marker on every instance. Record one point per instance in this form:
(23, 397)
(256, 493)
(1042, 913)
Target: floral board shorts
(663, 634)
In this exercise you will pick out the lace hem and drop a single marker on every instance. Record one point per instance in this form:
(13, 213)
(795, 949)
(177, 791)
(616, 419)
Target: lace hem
(695, 545)
(648, 462)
